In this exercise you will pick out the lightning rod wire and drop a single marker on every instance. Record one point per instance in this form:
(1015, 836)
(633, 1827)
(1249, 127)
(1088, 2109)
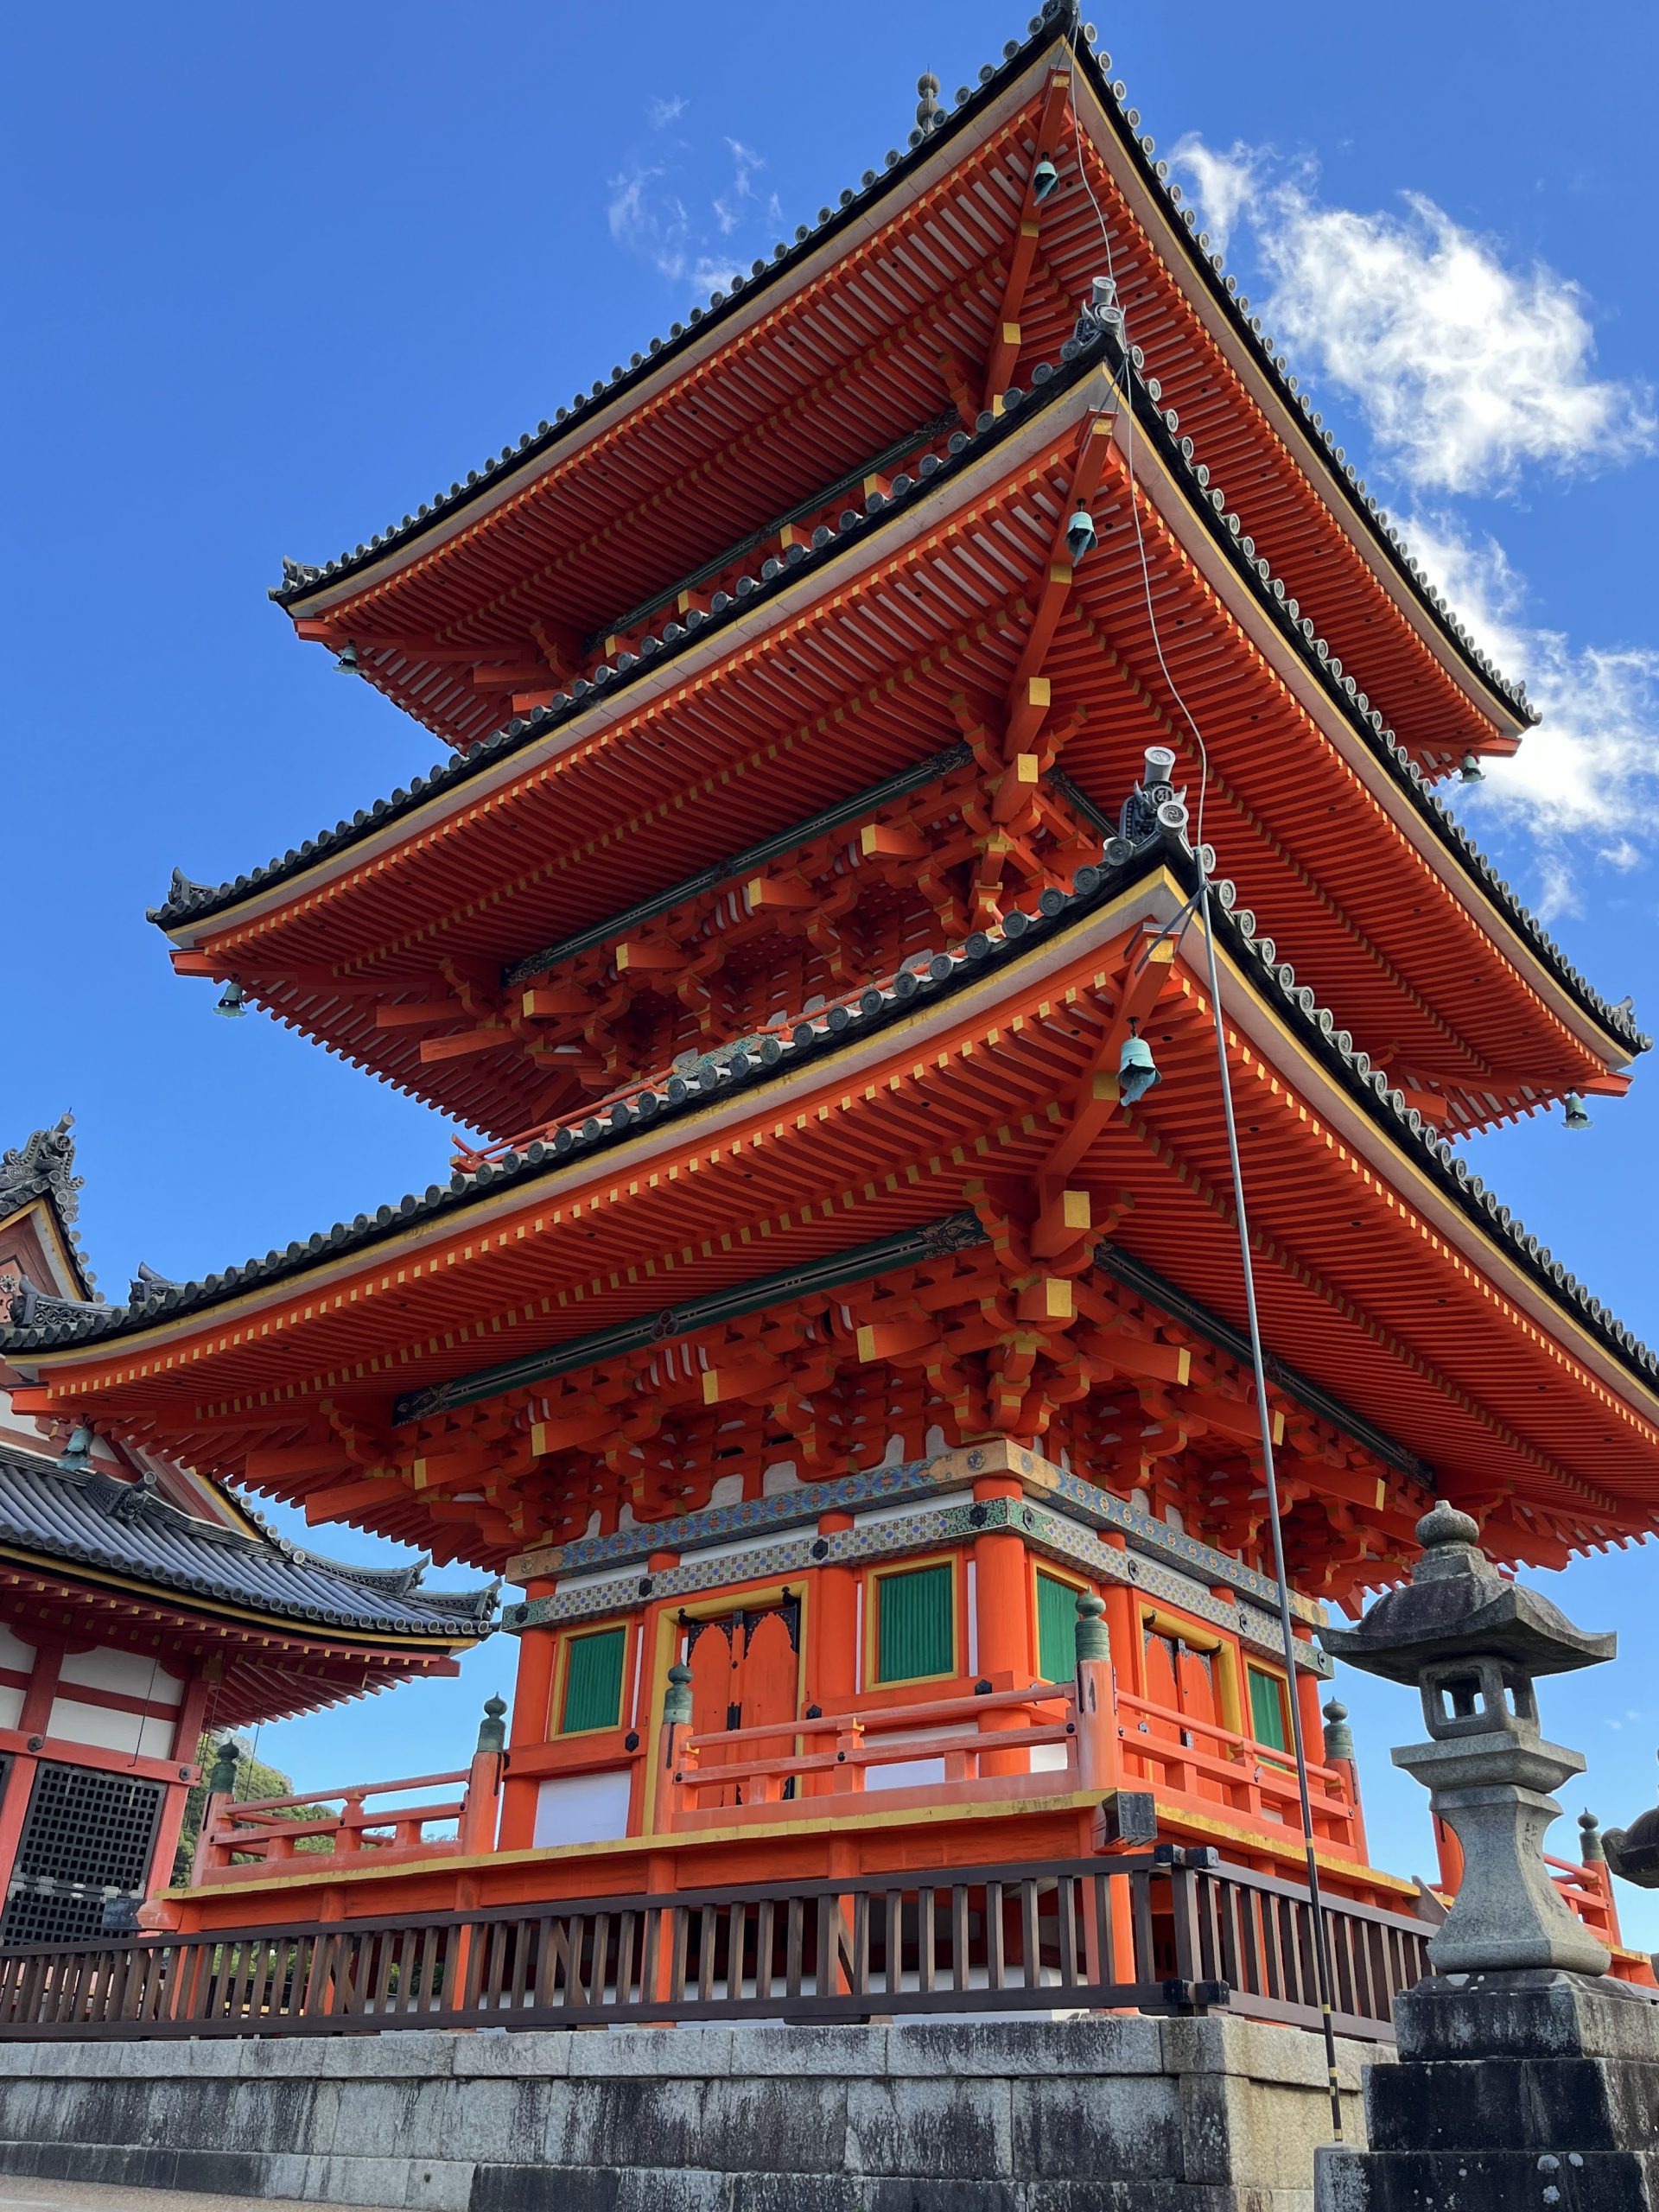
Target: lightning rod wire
(1299, 1745)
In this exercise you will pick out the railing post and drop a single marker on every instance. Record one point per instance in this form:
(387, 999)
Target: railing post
(1449, 1852)
(673, 1798)
(1099, 1766)
(221, 1791)
(1339, 1754)
(480, 1805)
(1597, 1877)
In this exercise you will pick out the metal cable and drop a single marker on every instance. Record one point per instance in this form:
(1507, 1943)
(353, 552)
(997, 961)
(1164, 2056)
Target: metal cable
(1321, 1935)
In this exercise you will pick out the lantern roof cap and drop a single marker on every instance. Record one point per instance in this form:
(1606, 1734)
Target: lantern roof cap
(1457, 1605)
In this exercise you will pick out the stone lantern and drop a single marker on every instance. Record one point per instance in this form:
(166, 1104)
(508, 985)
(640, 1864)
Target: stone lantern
(1473, 1642)
(1525, 2076)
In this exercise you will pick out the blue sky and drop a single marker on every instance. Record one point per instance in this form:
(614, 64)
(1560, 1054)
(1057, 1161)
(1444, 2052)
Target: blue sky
(270, 288)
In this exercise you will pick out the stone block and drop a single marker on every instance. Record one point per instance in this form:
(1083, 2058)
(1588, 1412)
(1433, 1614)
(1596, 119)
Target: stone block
(1487, 2181)
(238, 2174)
(1076, 2126)
(770, 2048)
(1249, 2134)
(438, 2186)
(1526, 2015)
(938, 2128)
(398, 2056)
(498, 2119)
(1013, 2048)
(1260, 2050)
(283, 2113)
(384, 2119)
(1137, 2195)
(759, 2125)
(580, 2188)
(544, 2053)
(668, 2052)
(378, 2181)
(1449, 2104)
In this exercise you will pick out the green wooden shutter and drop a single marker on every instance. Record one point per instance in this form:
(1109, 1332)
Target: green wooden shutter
(1056, 1629)
(915, 1623)
(1268, 1710)
(593, 1681)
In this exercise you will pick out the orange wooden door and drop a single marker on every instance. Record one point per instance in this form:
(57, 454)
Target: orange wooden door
(769, 1675)
(1163, 1685)
(712, 1670)
(744, 1673)
(1198, 1703)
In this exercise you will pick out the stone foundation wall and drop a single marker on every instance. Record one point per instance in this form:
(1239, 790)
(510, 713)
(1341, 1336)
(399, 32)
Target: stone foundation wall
(1092, 2115)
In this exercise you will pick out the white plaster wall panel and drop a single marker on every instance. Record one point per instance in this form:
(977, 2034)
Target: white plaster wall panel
(582, 1808)
(127, 1672)
(103, 1728)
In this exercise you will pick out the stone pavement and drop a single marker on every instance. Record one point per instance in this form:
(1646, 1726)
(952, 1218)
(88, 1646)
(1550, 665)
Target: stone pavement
(88, 2197)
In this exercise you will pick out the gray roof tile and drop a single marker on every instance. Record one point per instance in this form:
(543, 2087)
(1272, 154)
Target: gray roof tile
(90, 1519)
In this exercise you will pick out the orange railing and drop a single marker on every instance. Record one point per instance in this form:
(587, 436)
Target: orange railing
(727, 1775)
(260, 1836)
(1209, 1766)
(1589, 1890)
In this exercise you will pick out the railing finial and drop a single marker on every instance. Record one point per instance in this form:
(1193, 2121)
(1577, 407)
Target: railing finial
(221, 1783)
(1339, 1736)
(1094, 1642)
(493, 1728)
(1590, 1850)
(677, 1700)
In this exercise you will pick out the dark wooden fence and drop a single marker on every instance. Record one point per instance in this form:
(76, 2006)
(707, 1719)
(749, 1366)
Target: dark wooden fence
(1163, 1931)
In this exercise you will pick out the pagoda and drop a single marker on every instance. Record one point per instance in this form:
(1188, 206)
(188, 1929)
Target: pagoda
(143, 1606)
(825, 817)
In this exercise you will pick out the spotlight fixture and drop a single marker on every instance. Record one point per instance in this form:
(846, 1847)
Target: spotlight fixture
(348, 663)
(231, 1002)
(1137, 1071)
(1471, 770)
(1080, 535)
(1576, 1117)
(1044, 178)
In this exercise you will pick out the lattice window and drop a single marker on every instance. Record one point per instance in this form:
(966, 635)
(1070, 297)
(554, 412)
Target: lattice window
(87, 1836)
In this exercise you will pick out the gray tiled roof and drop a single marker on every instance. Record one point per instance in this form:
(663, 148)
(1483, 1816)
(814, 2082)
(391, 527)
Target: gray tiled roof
(1080, 356)
(43, 1166)
(90, 1519)
(752, 1061)
(1056, 17)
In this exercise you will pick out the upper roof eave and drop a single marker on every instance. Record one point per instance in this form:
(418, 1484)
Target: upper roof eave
(577, 717)
(1315, 1027)
(316, 591)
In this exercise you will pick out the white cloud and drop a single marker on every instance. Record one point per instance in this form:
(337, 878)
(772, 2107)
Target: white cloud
(1468, 374)
(729, 209)
(1586, 779)
(662, 112)
(651, 214)
(1466, 370)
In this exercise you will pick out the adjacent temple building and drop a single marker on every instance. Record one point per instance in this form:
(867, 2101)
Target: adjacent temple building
(834, 1318)
(142, 1606)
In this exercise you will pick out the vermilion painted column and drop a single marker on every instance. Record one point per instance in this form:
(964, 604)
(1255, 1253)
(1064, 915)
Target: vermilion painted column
(1002, 1619)
(832, 1645)
(186, 1735)
(20, 1782)
(531, 1723)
